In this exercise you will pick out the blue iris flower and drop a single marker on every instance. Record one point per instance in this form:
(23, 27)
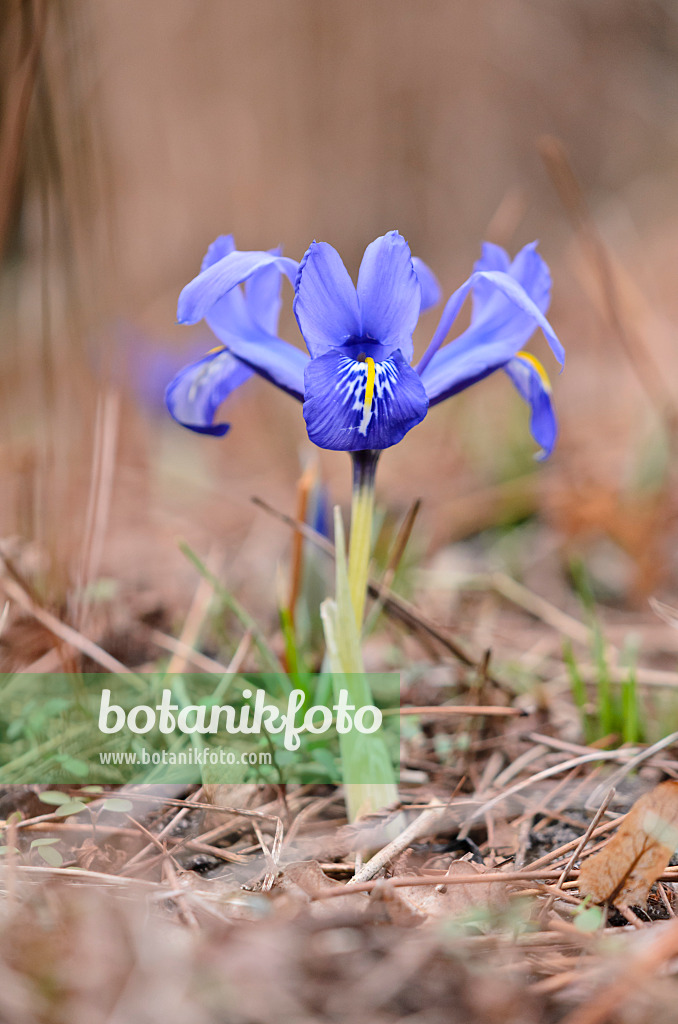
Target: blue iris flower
(358, 387)
(244, 320)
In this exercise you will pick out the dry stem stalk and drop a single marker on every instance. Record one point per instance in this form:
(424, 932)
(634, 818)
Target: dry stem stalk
(427, 822)
(16, 108)
(634, 346)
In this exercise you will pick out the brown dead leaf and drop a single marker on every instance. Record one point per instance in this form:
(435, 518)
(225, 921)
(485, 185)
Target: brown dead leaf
(450, 898)
(106, 858)
(300, 881)
(387, 905)
(623, 872)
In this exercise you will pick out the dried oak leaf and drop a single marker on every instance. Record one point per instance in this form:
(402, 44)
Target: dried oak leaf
(451, 898)
(301, 881)
(92, 857)
(623, 872)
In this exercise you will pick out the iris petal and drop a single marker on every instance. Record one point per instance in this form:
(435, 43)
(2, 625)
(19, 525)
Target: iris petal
(518, 320)
(244, 321)
(262, 294)
(532, 272)
(277, 361)
(431, 292)
(456, 367)
(492, 257)
(200, 295)
(532, 383)
(523, 315)
(231, 307)
(496, 311)
(346, 411)
(197, 391)
(325, 301)
(222, 246)
(389, 293)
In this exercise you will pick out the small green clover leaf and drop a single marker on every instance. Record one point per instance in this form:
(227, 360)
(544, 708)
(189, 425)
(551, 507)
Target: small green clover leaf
(117, 806)
(55, 797)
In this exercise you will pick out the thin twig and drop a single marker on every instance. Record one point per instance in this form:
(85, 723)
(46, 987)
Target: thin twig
(484, 710)
(304, 487)
(630, 765)
(576, 853)
(585, 838)
(134, 794)
(395, 558)
(540, 608)
(196, 615)
(425, 823)
(61, 630)
(560, 851)
(269, 877)
(179, 895)
(478, 878)
(547, 773)
(197, 658)
(106, 430)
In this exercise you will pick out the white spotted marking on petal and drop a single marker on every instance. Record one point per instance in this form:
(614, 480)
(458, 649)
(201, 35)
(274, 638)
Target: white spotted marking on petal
(208, 371)
(352, 385)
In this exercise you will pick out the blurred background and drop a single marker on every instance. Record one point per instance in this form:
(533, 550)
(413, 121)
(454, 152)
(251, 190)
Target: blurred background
(134, 133)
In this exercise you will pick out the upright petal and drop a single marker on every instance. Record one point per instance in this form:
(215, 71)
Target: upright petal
(518, 318)
(352, 406)
(230, 309)
(431, 292)
(450, 313)
(196, 392)
(532, 274)
(389, 293)
(200, 295)
(532, 383)
(492, 257)
(222, 246)
(261, 303)
(325, 301)
(262, 294)
(522, 314)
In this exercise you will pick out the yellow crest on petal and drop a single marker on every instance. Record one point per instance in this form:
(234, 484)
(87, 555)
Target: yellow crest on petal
(369, 386)
(527, 357)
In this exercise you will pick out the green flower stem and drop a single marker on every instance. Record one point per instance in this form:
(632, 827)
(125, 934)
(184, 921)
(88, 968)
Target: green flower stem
(362, 513)
(363, 757)
(369, 778)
